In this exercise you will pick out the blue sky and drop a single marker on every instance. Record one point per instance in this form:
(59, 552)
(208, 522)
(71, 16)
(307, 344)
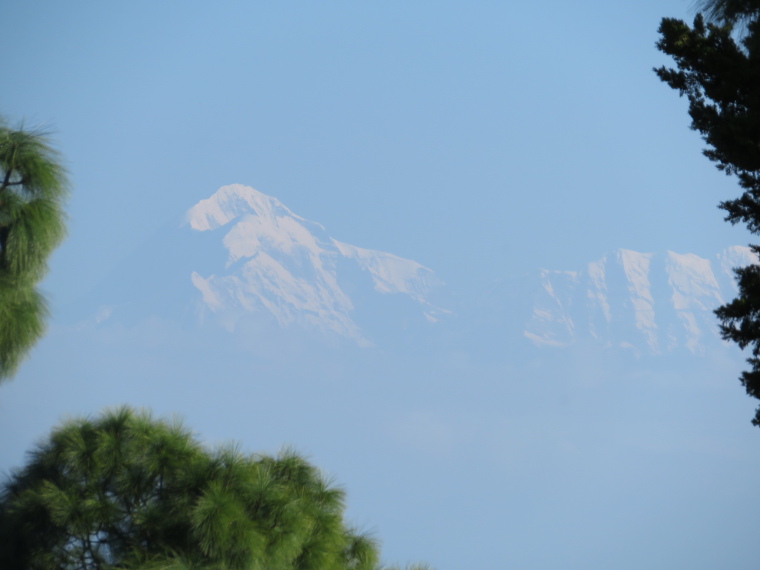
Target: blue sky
(482, 139)
(474, 138)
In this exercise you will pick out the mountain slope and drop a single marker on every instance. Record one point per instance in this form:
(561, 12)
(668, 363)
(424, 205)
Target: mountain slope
(243, 260)
(289, 268)
(649, 303)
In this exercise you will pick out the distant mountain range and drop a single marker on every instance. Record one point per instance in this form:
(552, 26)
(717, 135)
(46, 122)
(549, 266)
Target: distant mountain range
(242, 257)
(647, 302)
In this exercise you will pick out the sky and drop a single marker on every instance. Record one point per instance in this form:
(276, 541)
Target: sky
(474, 138)
(482, 139)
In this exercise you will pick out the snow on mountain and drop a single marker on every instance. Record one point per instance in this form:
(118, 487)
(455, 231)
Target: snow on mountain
(283, 265)
(247, 262)
(735, 256)
(650, 303)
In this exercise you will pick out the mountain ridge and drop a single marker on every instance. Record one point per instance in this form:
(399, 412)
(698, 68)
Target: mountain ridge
(287, 266)
(665, 300)
(243, 260)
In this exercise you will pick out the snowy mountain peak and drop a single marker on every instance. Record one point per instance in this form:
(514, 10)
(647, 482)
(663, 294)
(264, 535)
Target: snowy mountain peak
(651, 303)
(231, 202)
(289, 268)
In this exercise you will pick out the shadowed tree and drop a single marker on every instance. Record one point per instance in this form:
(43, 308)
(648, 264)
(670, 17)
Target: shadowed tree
(128, 491)
(33, 186)
(718, 70)
(729, 12)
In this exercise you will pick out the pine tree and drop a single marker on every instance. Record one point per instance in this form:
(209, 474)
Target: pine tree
(718, 69)
(33, 186)
(128, 491)
(730, 12)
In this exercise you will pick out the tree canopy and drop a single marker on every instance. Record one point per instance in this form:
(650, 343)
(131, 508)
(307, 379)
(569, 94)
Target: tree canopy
(718, 70)
(729, 11)
(33, 186)
(129, 491)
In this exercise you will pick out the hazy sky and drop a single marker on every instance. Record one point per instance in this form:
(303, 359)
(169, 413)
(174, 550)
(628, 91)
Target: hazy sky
(475, 138)
(482, 139)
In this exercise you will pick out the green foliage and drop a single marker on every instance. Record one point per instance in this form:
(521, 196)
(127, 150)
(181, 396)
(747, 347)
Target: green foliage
(33, 186)
(718, 70)
(128, 491)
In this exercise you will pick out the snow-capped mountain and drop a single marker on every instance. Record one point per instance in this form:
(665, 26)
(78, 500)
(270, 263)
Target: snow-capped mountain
(650, 303)
(243, 260)
(283, 266)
